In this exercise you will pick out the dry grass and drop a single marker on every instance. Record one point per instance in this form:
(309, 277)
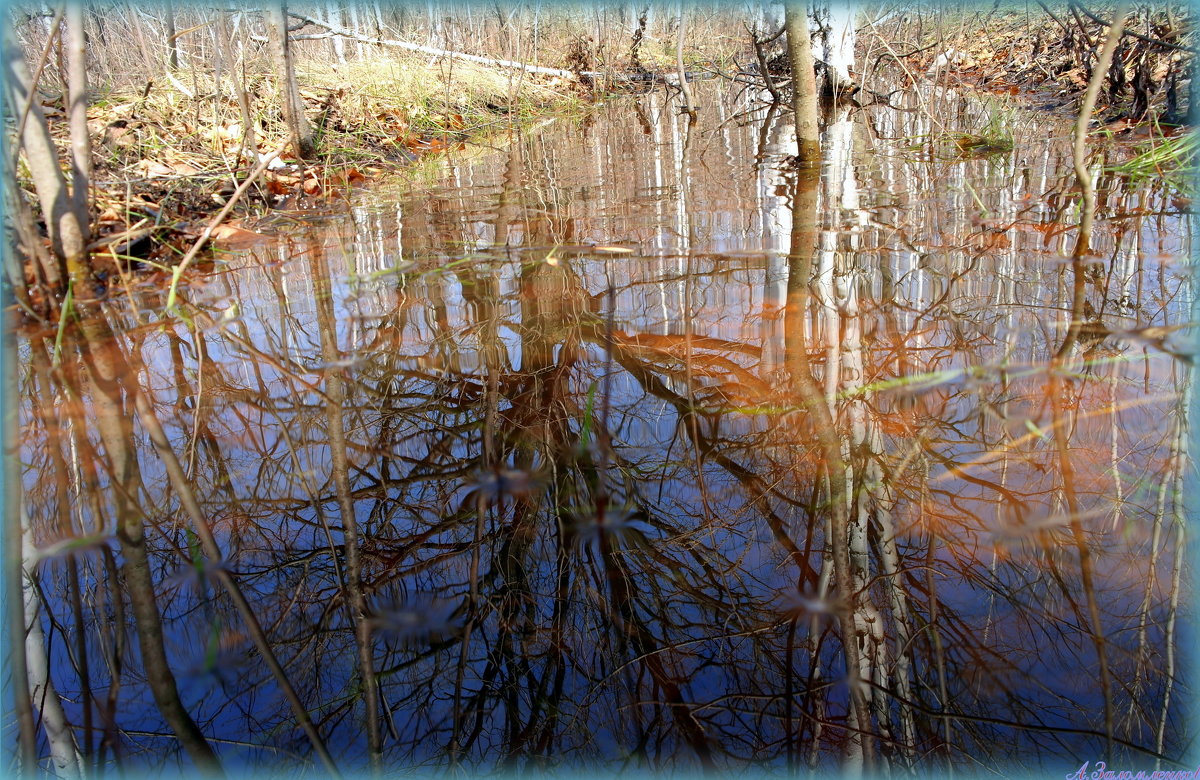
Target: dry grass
(384, 97)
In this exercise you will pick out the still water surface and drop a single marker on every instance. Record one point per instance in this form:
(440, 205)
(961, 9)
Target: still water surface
(592, 449)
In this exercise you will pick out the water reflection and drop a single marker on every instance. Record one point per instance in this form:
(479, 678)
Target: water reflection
(632, 446)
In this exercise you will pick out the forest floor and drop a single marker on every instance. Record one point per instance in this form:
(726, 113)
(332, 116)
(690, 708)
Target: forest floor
(165, 160)
(1046, 59)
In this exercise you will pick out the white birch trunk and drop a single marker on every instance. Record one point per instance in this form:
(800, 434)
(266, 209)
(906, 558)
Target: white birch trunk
(336, 45)
(834, 45)
(357, 28)
(63, 752)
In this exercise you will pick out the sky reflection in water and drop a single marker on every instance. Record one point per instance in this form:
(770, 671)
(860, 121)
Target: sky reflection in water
(587, 398)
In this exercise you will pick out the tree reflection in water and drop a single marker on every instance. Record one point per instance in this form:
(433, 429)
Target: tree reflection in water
(852, 468)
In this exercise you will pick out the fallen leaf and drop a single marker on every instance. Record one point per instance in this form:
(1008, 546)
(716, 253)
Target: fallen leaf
(277, 186)
(231, 235)
(119, 136)
(153, 169)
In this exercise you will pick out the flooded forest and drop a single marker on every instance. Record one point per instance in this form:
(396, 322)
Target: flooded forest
(474, 389)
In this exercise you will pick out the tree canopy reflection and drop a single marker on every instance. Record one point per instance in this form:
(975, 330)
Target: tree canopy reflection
(829, 470)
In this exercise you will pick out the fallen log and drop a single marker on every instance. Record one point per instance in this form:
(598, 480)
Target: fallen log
(334, 29)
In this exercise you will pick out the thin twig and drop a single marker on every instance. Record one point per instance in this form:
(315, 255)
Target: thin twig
(263, 162)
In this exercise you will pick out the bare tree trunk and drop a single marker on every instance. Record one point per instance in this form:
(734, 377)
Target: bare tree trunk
(354, 25)
(1081, 130)
(172, 47)
(377, 18)
(804, 83)
(293, 107)
(27, 245)
(688, 105)
(81, 144)
(336, 45)
(837, 46)
(67, 234)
